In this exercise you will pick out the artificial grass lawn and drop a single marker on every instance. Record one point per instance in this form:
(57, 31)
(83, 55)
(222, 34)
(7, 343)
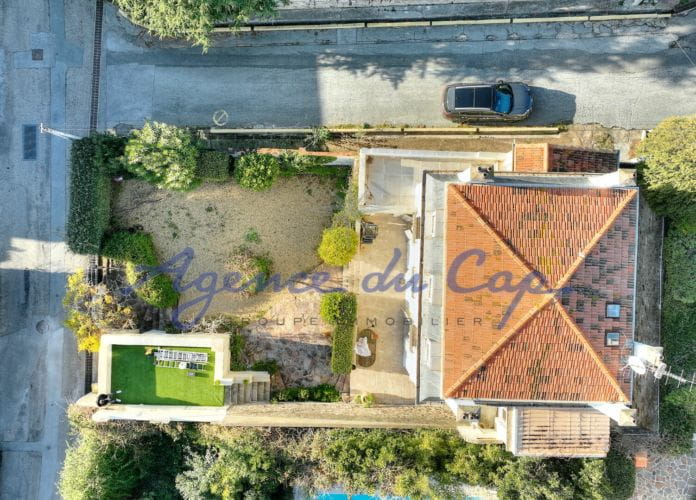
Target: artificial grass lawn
(140, 382)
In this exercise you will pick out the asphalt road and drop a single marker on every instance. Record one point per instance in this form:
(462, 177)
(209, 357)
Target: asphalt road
(626, 74)
(40, 372)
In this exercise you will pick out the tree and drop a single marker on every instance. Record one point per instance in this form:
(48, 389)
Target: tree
(163, 155)
(532, 479)
(338, 246)
(338, 308)
(256, 171)
(193, 20)
(95, 470)
(92, 309)
(246, 467)
(669, 172)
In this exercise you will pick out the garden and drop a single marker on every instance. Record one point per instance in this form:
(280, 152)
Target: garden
(189, 232)
(139, 460)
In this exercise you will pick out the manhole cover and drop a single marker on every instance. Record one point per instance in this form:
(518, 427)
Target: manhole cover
(220, 117)
(37, 54)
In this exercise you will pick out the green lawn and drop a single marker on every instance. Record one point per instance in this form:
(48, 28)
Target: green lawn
(140, 382)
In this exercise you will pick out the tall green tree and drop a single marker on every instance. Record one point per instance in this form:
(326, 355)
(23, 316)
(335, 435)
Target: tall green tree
(164, 155)
(669, 173)
(193, 20)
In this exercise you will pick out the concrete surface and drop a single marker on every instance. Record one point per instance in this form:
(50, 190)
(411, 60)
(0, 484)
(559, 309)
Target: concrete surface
(627, 74)
(41, 370)
(646, 389)
(382, 312)
(351, 10)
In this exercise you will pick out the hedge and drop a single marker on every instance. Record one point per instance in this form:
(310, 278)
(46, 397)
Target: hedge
(338, 308)
(669, 172)
(342, 351)
(680, 265)
(322, 393)
(90, 199)
(213, 166)
(137, 249)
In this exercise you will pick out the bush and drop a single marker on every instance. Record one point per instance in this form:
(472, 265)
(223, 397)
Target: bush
(339, 308)
(316, 140)
(91, 310)
(266, 365)
(322, 393)
(192, 20)
(620, 475)
(338, 246)
(136, 250)
(256, 171)
(254, 270)
(669, 172)
(213, 166)
(90, 199)
(292, 162)
(120, 461)
(342, 350)
(680, 265)
(350, 213)
(163, 155)
(109, 153)
(678, 418)
(365, 399)
(242, 467)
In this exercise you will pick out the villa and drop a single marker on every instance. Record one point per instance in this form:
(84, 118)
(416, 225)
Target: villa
(525, 317)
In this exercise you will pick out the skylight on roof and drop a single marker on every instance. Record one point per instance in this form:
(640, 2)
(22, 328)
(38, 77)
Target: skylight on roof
(613, 310)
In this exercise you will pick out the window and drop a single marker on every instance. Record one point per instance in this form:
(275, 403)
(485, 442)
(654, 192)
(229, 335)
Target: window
(613, 310)
(611, 339)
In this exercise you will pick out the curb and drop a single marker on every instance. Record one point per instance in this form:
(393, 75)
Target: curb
(405, 23)
(451, 131)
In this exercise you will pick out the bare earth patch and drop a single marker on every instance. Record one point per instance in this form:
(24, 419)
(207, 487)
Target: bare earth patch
(215, 218)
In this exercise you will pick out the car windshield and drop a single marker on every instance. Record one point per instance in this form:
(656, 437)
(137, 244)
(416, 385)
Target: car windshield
(503, 99)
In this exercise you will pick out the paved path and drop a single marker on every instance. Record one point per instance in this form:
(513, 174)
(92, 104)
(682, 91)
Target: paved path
(40, 371)
(629, 74)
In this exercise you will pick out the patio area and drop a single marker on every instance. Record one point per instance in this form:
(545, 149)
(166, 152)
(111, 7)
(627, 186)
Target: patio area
(382, 312)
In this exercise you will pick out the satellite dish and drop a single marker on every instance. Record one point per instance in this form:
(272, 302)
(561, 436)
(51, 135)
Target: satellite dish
(637, 365)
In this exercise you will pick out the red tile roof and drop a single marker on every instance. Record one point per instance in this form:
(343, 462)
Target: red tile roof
(546, 350)
(555, 158)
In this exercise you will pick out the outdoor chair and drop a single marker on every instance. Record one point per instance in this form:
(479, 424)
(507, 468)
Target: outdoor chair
(368, 232)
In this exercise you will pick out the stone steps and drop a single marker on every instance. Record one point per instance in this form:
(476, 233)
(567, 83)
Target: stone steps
(250, 392)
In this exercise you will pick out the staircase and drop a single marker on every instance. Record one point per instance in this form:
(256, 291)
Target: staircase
(251, 392)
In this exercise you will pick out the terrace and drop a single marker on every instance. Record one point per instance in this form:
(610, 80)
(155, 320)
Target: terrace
(160, 377)
(134, 373)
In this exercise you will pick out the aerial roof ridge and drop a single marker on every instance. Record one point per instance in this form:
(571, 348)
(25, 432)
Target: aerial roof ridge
(500, 343)
(630, 195)
(492, 231)
(593, 354)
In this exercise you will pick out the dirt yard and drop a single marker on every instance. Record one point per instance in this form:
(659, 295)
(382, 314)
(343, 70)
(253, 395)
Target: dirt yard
(284, 222)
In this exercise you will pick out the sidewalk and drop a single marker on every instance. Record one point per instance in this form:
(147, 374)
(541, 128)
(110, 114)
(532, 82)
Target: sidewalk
(346, 11)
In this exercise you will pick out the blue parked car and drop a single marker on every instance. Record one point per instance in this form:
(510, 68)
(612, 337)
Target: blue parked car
(503, 101)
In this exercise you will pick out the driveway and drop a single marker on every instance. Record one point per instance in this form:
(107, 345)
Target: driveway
(628, 74)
